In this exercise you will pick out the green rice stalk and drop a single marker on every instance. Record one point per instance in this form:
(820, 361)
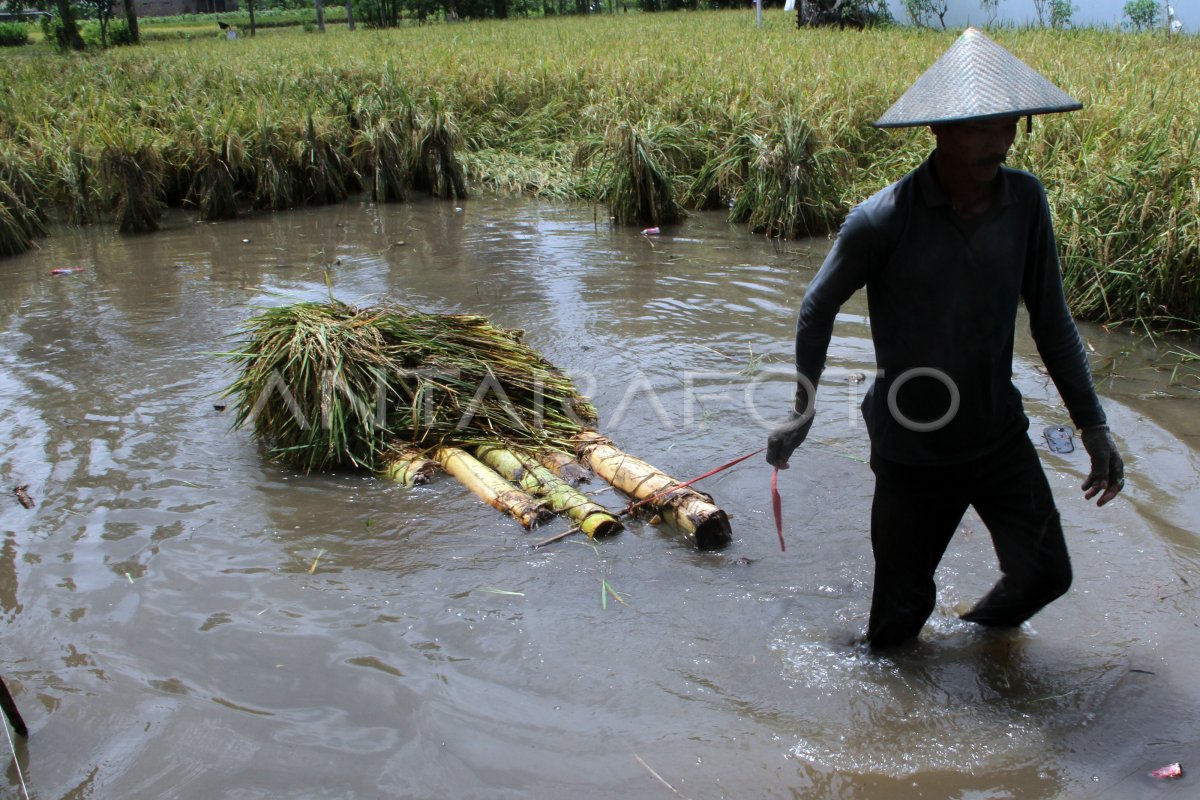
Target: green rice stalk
(1132, 252)
(734, 140)
(179, 159)
(514, 173)
(309, 375)
(350, 103)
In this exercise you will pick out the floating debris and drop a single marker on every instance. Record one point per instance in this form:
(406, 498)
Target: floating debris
(1168, 772)
(22, 493)
(1059, 439)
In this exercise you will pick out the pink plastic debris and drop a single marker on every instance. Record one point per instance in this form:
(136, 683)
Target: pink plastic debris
(1169, 771)
(65, 270)
(651, 232)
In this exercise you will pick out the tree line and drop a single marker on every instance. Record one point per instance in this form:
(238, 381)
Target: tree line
(64, 29)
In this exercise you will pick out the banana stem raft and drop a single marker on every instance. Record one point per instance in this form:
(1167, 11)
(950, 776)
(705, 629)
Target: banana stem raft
(407, 466)
(490, 487)
(593, 519)
(683, 508)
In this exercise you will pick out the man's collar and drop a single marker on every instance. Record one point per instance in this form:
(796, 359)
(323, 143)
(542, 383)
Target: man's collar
(933, 194)
(931, 190)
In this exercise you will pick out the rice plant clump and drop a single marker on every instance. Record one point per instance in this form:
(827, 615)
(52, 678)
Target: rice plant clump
(19, 224)
(72, 188)
(633, 172)
(437, 169)
(21, 216)
(135, 181)
(382, 152)
(214, 191)
(332, 385)
(322, 169)
(1132, 249)
(793, 183)
(13, 238)
(275, 184)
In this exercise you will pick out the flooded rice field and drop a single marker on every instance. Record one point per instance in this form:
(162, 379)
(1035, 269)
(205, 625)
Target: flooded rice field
(184, 619)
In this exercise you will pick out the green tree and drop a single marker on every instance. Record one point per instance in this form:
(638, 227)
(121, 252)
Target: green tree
(921, 12)
(385, 13)
(1142, 14)
(917, 11)
(1060, 13)
(878, 11)
(103, 10)
(940, 7)
(1054, 13)
(869, 12)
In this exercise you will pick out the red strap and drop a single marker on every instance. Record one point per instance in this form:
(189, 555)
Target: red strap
(654, 498)
(777, 506)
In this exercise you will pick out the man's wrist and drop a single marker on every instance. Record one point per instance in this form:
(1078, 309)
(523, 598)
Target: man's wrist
(803, 404)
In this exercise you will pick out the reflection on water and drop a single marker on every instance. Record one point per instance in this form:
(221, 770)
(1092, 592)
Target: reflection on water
(184, 619)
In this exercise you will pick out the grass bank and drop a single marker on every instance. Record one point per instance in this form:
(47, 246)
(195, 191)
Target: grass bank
(647, 113)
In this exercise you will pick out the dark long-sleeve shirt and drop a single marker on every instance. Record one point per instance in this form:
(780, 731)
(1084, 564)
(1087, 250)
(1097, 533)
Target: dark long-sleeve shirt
(942, 293)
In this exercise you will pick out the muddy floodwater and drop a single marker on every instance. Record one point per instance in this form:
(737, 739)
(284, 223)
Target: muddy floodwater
(184, 619)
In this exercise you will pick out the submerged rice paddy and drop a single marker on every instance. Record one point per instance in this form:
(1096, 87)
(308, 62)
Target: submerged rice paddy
(650, 114)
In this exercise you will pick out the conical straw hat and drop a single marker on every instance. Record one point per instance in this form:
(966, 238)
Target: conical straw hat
(976, 79)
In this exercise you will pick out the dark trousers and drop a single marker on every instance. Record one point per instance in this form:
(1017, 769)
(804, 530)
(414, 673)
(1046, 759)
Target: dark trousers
(916, 511)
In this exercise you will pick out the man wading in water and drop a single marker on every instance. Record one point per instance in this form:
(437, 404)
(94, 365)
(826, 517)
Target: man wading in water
(946, 254)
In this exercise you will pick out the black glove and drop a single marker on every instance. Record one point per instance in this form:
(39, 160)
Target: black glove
(1107, 477)
(784, 440)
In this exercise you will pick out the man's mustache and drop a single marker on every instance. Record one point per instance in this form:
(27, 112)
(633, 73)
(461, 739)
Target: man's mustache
(992, 161)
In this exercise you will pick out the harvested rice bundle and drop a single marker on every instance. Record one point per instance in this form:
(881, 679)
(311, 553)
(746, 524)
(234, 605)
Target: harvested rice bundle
(329, 384)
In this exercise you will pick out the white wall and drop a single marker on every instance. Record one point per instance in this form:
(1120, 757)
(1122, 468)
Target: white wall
(1089, 12)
